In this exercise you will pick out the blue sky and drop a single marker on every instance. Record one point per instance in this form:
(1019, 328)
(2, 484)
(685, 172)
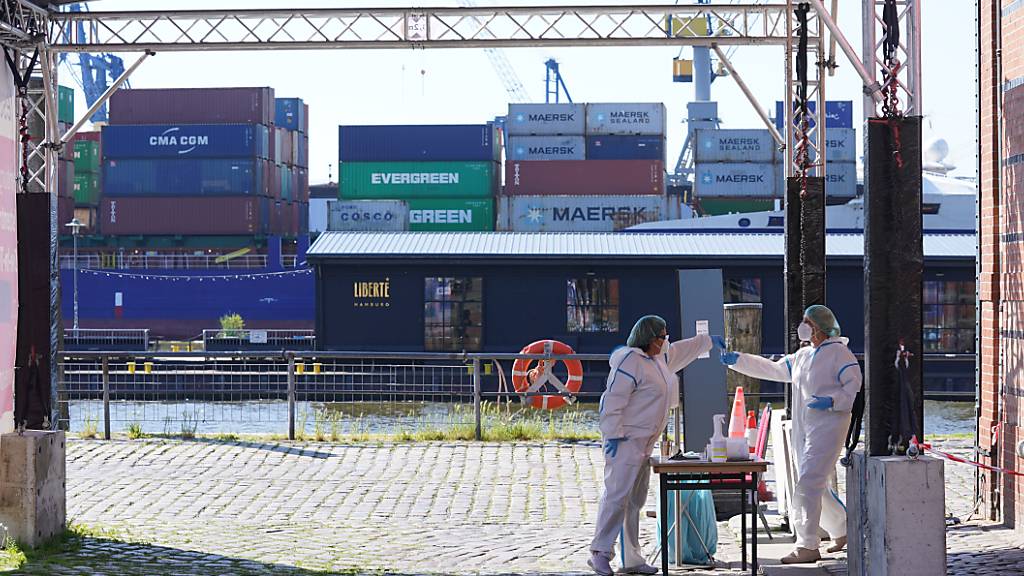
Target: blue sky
(459, 85)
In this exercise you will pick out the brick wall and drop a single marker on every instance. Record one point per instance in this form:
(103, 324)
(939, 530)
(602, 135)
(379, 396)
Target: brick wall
(1001, 246)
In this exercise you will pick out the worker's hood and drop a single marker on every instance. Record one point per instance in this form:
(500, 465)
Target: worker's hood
(620, 353)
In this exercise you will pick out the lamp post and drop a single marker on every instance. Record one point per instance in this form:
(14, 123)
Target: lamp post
(75, 225)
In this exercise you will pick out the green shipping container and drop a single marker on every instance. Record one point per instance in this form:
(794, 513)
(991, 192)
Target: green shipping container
(451, 215)
(66, 104)
(410, 180)
(87, 157)
(717, 207)
(87, 189)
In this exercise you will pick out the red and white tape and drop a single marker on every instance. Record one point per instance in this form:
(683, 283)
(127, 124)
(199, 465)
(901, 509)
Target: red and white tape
(954, 458)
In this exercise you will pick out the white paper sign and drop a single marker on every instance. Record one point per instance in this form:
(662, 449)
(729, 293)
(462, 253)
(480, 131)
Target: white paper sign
(258, 337)
(416, 27)
(702, 328)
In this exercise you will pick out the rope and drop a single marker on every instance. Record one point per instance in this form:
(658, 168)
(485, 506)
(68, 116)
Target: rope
(21, 82)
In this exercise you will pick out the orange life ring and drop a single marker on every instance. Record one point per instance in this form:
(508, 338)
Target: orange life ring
(521, 371)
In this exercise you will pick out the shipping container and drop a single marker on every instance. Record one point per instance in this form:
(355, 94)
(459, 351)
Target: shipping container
(193, 106)
(626, 148)
(184, 177)
(184, 215)
(367, 215)
(735, 146)
(841, 145)
(405, 180)
(302, 160)
(546, 148)
(65, 104)
(92, 136)
(719, 206)
(65, 178)
(418, 143)
(625, 118)
(451, 215)
(303, 218)
(737, 180)
(546, 120)
(585, 177)
(87, 189)
(285, 146)
(186, 141)
(87, 156)
(87, 216)
(582, 213)
(840, 179)
(289, 113)
(838, 113)
(305, 118)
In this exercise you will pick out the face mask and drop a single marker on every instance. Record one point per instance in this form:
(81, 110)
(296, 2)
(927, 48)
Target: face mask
(804, 332)
(664, 345)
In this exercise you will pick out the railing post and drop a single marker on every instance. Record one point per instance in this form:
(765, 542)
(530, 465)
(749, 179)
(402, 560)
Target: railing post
(106, 398)
(476, 398)
(291, 395)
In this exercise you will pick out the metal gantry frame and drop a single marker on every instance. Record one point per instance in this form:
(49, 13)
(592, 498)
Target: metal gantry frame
(816, 59)
(906, 76)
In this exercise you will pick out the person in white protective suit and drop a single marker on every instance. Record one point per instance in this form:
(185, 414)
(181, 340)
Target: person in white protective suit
(826, 378)
(641, 389)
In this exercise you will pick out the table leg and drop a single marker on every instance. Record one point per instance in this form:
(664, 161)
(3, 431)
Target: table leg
(753, 520)
(743, 524)
(663, 504)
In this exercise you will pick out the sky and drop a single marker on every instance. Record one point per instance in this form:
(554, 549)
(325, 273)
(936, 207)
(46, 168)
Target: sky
(451, 86)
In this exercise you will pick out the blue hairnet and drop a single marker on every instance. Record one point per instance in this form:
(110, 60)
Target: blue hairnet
(645, 330)
(824, 319)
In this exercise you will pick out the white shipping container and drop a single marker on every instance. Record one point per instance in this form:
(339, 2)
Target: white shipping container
(583, 213)
(840, 179)
(545, 119)
(626, 118)
(546, 148)
(735, 146)
(367, 216)
(737, 180)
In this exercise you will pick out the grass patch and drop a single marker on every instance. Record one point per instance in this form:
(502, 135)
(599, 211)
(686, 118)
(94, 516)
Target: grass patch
(135, 431)
(953, 436)
(90, 426)
(11, 555)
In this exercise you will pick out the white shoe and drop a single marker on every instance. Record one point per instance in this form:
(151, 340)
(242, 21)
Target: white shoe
(838, 545)
(802, 556)
(640, 569)
(600, 562)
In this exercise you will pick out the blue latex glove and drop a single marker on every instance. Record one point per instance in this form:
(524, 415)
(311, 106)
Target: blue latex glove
(729, 358)
(719, 341)
(820, 402)
(611, 446)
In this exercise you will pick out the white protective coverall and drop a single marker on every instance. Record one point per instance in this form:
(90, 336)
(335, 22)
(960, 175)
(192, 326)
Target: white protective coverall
(829, 369)
(635, 405)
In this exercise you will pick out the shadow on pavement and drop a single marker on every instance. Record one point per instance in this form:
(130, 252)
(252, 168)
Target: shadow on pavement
(296, 449)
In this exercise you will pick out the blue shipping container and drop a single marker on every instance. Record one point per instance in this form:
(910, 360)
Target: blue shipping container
(289, 113)
(183, 177)
(186, 141)
(625, 147)
(418, 143)
(838, 113)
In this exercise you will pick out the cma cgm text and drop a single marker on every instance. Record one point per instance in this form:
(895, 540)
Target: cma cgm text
(414, 178)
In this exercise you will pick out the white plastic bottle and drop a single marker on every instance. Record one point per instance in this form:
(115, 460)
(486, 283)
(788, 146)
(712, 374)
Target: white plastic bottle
(719, 447)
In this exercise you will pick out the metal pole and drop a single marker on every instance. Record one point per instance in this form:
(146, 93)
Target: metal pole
(750, 95)
(291, 396)
(870, 85)
(476, 398)
(74, 237)
(103, 99)
(678, 493)
(106, 398)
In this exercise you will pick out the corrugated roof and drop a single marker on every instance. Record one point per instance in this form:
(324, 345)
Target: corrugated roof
(598, 245)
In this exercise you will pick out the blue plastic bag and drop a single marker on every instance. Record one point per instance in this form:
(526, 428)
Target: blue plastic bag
(701, 507)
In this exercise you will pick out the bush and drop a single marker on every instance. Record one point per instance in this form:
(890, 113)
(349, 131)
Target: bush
(231, 325)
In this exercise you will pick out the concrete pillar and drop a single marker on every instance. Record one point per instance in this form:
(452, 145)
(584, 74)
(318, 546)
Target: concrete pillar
(33, 504)
(896, 516)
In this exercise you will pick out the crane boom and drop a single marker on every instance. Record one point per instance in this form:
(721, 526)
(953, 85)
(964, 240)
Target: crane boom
(502, 67)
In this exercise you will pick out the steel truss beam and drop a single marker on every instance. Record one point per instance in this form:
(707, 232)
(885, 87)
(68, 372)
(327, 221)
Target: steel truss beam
(908, 74)
(462, 27)
(22, 23)
(816, 71)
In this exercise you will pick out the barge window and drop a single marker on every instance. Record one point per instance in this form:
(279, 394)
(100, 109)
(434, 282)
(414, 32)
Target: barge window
(453, 314)
(742, 290)
(592, 305)
(949, 316)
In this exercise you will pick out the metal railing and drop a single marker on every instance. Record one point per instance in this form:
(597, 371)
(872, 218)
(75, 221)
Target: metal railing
(255, 339)
(106, 339)
(304, 393)
(119, 261)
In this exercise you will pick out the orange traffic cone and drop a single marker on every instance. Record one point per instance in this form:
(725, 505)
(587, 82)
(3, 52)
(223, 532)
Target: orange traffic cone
(738, 420)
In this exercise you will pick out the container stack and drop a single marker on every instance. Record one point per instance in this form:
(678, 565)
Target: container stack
(65, 159)
(584, 168)
(416, 178)
(841, 146)
(736, 170)
(85, 147)
(201, 161)
(291, 163)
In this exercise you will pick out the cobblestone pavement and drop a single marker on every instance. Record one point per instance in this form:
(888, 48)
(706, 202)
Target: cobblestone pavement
(195, 507)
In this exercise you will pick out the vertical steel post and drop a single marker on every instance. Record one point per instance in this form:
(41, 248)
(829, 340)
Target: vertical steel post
(476, 398)
(291, 396)
(106, 398)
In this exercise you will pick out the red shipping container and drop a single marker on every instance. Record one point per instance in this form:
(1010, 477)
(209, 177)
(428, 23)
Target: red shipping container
(93, 136)
(294, 224)
(584, 177)
(184, 215)
(193, 106)
(271, 180)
